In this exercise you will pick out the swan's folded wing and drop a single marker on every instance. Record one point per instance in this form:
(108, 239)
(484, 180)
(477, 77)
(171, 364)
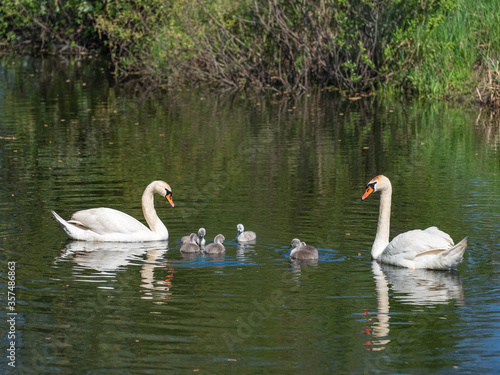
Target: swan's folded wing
(107, 220)
(438, 235)
(441, 259)
(409, 244)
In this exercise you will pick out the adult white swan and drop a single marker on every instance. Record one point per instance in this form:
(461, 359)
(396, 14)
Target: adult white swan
(430, 248)
(109, 225)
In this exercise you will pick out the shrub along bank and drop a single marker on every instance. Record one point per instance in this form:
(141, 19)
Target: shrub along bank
(437, 48)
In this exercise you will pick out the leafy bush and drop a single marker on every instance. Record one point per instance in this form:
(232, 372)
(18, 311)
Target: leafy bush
(431, 47)
(288, 44)
(52, 25)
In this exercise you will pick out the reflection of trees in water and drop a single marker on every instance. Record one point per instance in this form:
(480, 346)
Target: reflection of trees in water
(488, 127)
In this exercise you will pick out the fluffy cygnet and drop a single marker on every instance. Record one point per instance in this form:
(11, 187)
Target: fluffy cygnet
(302, 251)
(217, 247)
(243, 235)
(201, 236)
(190, 245)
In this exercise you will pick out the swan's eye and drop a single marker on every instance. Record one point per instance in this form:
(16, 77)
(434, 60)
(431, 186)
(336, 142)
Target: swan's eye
(167, 192)
(371, 185)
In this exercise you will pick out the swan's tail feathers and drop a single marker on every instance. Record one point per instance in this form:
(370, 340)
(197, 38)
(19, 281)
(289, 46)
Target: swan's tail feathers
(456, 253)
(59, 219)
(67, 227)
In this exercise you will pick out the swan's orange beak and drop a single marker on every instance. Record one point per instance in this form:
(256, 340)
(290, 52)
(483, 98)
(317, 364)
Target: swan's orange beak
(169, 199)
(368, 191)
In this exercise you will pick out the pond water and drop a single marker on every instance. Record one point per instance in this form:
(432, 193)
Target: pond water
(71, 139)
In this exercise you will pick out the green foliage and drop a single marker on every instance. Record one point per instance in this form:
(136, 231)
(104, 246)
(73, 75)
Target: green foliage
(130, 31)
(284, 43)
(434, 47)
(55, 24)
(449, 53)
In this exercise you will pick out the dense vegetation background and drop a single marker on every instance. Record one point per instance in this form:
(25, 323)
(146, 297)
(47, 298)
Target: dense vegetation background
(438, 48)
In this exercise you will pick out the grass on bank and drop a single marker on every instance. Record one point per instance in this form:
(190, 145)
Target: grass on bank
(460, 56)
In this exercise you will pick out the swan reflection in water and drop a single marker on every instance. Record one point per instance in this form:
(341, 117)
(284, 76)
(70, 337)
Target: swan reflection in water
(108, 258)
(243, 250)
(418, 287)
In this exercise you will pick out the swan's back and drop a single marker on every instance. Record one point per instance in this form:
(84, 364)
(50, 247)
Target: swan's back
(423, 249)
(105, 220)
(98, 224)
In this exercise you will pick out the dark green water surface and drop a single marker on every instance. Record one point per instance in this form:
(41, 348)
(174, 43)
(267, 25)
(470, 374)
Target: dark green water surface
(71, 139)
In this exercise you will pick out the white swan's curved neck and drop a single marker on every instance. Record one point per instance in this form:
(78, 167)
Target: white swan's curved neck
(384, 223)
(148, 209)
